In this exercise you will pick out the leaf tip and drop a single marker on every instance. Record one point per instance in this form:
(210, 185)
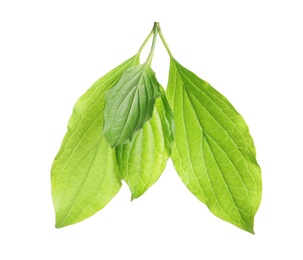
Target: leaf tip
(133, 197)
(249, 227)
(251, 230)
(113, 143)
(137, 193)
(58, 225)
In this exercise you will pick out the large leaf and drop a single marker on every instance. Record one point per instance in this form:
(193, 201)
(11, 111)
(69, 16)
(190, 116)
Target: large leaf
(214, 153)
(142, 161)
(84, 173)
(130, 103)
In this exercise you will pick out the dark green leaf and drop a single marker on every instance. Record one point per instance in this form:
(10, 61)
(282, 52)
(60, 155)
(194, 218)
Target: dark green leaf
(129, 104)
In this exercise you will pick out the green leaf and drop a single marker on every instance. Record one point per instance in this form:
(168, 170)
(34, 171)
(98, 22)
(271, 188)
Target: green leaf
(214, 153)
(84, 174)
(142, 161)
(130, 103)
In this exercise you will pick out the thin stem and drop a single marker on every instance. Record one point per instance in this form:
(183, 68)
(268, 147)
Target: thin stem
(146, 40)
(151, 53)
(164, 43)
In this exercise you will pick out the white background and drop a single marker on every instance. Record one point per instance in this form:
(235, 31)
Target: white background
(52, 51)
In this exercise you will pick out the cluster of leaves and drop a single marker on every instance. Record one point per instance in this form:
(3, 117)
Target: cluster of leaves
(126, 126)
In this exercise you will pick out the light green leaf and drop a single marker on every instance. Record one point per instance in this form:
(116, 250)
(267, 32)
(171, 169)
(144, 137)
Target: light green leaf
(84, 174)
(213, 153)
(130, 103)
(142, 161)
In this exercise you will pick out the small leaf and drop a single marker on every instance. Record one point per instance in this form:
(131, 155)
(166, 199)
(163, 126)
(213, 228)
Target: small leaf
(84, 174)
(130, 103)
(214, 153)
(142, 161)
